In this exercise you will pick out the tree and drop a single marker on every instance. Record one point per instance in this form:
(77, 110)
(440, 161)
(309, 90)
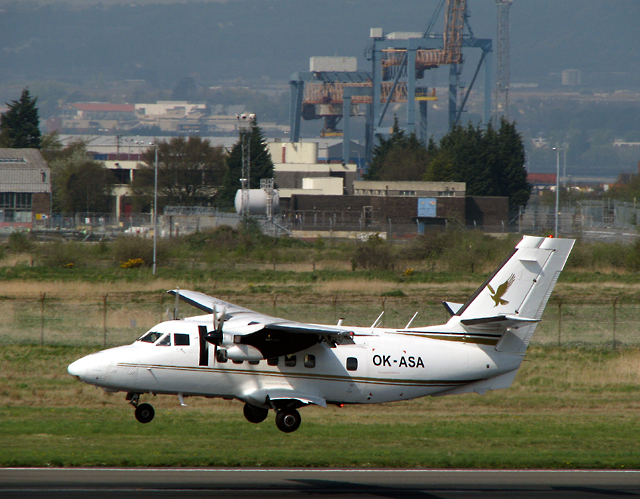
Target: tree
(19, 126)
(400, 157)
(261, 165)
(190, 173)
(489, 161)
(79, 183)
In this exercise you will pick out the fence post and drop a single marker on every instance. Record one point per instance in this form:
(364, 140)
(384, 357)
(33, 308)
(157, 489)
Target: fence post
(104, 318)
(42, 298)
(615, 302)
(560, 299)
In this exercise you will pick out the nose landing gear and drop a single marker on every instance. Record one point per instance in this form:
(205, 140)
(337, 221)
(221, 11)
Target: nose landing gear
(144, 412)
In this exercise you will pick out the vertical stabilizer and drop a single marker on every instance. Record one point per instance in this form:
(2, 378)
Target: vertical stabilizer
(518, 291)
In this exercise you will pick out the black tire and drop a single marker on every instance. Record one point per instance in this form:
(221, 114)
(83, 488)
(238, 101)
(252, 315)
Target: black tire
(145, 413)
(288, 420)
(255, 414)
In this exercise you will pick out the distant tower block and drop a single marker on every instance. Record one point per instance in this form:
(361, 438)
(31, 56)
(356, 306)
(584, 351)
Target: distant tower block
(503, 64)
(571, 77)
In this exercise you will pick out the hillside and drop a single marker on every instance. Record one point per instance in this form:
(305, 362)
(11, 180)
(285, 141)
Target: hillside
(264, 40)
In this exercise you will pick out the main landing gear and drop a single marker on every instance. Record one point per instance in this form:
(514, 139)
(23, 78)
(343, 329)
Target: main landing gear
(144, 412)
(287, 419)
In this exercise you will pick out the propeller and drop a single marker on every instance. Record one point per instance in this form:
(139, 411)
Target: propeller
(175, 305)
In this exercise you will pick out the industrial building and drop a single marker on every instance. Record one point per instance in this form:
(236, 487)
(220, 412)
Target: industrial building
(25, 188)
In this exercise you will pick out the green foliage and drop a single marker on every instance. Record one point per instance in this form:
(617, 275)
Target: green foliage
(19, 125)
(260, 161)
(490, 161)
(459, 250)
(400, 157)
(80, 184)
(375, 254)
(20, 242)
(190, 173)
(66, 255)
(133, 248)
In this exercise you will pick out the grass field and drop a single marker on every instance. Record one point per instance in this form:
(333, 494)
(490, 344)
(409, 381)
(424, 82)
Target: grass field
(574, 404)
(568, 408)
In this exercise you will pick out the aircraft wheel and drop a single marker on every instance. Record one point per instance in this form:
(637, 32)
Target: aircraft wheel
(255, 414)
(145, 413)
(288, 420)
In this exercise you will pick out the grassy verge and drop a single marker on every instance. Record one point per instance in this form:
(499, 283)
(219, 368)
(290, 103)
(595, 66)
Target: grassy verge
(568, 408)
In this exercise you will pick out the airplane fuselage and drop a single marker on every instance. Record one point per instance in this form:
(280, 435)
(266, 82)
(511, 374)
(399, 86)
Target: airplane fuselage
(381, 366)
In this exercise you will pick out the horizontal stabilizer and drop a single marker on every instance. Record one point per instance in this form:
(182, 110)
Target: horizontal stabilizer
(498, 321)
(451, 307)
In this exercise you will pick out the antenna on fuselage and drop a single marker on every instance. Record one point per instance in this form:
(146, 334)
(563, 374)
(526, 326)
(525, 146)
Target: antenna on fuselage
(409, 323)
(377, 321)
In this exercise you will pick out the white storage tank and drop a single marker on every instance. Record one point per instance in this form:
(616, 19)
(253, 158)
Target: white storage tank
(258, 202)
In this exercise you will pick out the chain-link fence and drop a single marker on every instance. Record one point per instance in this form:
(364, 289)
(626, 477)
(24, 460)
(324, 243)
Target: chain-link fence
(108, 321)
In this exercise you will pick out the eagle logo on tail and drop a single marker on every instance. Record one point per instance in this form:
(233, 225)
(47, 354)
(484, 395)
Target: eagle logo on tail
(497, 295)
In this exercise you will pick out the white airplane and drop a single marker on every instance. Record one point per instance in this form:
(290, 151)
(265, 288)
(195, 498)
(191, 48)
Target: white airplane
(271, 363)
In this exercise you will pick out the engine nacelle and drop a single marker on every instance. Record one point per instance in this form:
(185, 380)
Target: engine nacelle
(239, 353)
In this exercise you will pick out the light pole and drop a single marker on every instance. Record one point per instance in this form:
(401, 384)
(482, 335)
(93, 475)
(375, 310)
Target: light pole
(557, 150)
(155, 211)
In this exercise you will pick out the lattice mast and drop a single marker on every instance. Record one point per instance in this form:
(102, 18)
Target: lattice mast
(503, 63)
(245, 128)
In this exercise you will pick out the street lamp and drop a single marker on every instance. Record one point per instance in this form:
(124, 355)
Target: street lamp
(557, 150)
(155, 210)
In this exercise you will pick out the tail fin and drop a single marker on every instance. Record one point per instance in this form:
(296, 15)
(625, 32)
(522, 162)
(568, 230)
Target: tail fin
(515, 295)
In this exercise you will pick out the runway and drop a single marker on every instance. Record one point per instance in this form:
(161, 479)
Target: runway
(128, 483)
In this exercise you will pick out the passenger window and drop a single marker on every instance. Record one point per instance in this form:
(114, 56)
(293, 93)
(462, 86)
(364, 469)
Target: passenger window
(254, 362)
(181, 339)
(273, 361)
(165, 341)
(352, 364)
(290, 360)
(238, 361)
(221, 355)
(309, 361)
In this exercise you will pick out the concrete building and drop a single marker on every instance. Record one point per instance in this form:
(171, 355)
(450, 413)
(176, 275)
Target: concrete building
(297, 170)
(409, 189)
(25, 188)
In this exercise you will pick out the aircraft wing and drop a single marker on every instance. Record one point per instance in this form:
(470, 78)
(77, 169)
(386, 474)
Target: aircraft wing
(271, 336)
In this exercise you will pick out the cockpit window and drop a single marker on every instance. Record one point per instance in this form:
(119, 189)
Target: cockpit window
(165, 342)
(150, 337)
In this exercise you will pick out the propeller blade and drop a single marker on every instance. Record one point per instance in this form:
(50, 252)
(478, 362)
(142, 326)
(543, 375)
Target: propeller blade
(175, 306)
(221, 318)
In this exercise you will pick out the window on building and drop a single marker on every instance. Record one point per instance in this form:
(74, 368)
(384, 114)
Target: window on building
(15, 206)
(352, 364)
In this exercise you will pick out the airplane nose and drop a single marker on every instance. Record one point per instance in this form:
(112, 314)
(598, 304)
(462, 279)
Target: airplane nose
(77, 369)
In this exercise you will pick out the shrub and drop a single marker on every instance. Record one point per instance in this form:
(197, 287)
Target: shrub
(128, 248)
(62, 254)
(375, 254)
(20, 242)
